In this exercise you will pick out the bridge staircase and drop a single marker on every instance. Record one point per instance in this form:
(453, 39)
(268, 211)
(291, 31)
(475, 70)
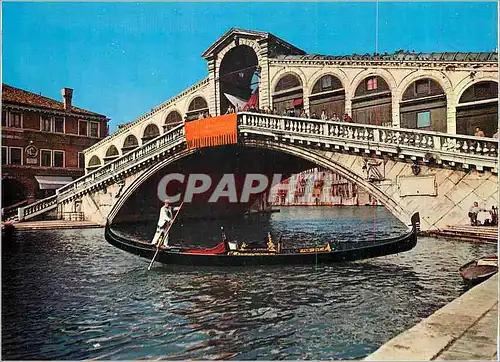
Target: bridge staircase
(112, 172)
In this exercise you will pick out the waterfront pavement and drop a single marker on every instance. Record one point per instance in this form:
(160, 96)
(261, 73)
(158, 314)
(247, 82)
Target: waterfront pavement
(465, 329)
(482, 234)
(54, 225)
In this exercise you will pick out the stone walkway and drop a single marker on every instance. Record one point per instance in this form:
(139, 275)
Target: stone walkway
(465, 329)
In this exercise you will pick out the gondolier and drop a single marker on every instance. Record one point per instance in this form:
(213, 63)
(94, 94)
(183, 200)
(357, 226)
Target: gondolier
(166, 216)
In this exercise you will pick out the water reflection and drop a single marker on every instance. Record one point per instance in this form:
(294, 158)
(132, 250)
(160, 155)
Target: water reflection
(69, 295)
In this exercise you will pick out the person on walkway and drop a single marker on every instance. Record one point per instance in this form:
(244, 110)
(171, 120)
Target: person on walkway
(166, 216)
(495, 135)
(347, 118)
(473, 213)
(479, 132)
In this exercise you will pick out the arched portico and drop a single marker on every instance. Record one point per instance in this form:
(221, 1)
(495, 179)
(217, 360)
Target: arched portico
(238, 77)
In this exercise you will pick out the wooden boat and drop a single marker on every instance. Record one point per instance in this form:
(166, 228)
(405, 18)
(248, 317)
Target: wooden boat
(229, 254)
(477, 271)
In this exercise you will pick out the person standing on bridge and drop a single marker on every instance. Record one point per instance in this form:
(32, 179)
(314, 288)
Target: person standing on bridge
(166, 216)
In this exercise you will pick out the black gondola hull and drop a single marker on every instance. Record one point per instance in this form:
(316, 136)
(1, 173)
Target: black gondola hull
(355, 251)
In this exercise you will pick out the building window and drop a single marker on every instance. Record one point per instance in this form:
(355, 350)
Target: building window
(46, 123)
(4, 155)
(94, 129)
(81, 160)
(82, 128)
(371, 83)
(4, 118)
(423, 119)
(15, 120)
(422, 87)
(59, 125)
(15, 155)
(58, 158)
(46, 158)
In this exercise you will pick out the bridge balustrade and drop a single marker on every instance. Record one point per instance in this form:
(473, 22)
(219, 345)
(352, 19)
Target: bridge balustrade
(467, 150)
(161, 143)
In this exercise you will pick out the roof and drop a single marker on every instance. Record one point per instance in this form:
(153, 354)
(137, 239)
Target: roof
(402, 56)
(233, 32)
(22, 97)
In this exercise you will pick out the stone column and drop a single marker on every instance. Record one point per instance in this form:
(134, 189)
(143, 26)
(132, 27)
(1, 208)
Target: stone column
(213, 100)
(395, 109)
(348, 104)
(451, 114)
(264, 82)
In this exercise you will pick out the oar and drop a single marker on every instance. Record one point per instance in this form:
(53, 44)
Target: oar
(165, 233)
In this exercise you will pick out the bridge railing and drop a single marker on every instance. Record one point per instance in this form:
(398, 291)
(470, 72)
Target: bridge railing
(460, 148)
(124, 162)
(168, 139)
(37, 208)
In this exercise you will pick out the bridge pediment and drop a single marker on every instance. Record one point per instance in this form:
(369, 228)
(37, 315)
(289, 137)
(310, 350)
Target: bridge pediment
(234, 35)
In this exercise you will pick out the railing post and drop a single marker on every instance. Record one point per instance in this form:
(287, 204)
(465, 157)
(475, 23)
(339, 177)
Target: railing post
(437, 142)
(20, 213)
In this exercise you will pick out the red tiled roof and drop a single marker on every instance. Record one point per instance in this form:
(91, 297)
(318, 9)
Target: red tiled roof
(21, 97)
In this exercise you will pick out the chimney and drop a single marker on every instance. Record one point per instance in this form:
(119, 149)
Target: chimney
(67, 94)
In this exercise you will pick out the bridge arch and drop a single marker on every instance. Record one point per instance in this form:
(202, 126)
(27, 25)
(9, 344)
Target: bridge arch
(327, 92)
(150, 131)
(288, 93)
(238, 71)
(304, 153)
(423, 103)
(196, 105)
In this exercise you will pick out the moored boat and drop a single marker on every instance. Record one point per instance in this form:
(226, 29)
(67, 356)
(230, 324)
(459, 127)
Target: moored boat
(477, 271)
(232, 254)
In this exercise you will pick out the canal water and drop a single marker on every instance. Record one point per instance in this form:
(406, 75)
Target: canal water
(67, 294)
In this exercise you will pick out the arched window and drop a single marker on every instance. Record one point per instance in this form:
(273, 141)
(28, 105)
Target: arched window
(173, 119)
(94, 163)
(372, 102)
(328, 95)
(288, 96)
(326, 83)
(286, 82)
(197, 106)
(478, 107)
(423, 106)
(129, 144)
(112, 151)
(150, 132)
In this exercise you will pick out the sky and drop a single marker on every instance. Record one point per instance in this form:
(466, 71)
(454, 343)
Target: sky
(122, 59)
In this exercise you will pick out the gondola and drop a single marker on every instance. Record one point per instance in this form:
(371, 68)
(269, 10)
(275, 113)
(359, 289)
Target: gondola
(477, 271)
(230, 254)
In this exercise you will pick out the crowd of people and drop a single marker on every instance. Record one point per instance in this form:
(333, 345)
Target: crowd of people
(300, 113)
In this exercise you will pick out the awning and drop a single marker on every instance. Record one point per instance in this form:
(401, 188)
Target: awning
(53, 182)
(297, 102)
(235, 101)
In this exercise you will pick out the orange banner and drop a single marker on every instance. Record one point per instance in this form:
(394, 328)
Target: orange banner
(214, 131)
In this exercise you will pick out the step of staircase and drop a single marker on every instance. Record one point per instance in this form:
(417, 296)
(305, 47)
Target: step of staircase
(488, 234)
(55, 225)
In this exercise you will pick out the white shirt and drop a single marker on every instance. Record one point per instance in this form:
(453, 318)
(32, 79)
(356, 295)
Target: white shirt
(165, 215)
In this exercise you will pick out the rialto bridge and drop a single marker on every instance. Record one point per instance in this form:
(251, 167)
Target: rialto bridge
(413, 114)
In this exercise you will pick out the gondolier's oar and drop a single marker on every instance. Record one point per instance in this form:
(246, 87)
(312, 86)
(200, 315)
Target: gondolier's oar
(160, 242)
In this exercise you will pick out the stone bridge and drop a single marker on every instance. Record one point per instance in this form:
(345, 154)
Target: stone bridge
(438, 174)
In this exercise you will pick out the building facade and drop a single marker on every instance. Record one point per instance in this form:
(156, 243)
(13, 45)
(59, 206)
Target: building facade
(43, 142)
